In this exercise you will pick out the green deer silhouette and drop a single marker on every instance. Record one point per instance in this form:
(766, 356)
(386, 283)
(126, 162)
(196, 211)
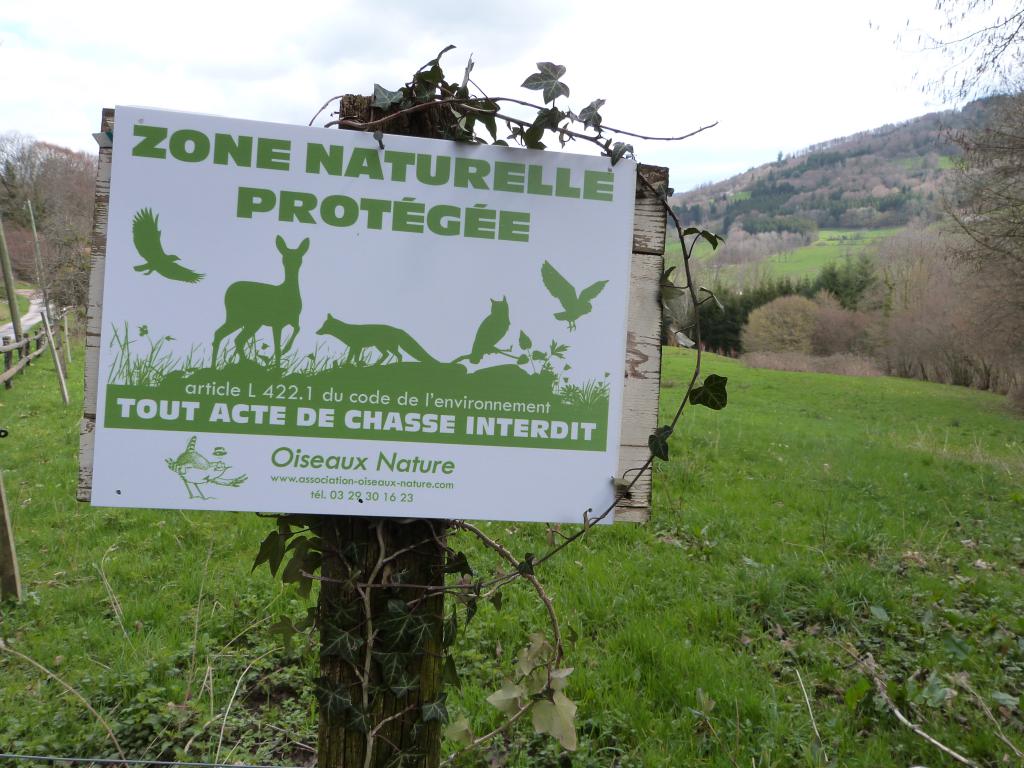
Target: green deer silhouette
(249, 306)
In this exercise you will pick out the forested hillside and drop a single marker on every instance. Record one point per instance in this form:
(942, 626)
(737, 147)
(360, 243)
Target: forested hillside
(886, 177)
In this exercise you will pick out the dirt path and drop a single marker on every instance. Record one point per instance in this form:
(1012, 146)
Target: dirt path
(30, 318)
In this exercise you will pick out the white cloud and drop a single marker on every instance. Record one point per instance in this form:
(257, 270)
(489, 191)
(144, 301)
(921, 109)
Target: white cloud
(777, 76)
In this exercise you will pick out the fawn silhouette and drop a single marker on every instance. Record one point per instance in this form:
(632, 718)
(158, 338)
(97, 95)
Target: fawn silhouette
(386, 339)
(249, 306)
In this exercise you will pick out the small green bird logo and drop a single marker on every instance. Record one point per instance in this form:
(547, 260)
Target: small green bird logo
(196, 470)
(574, 307)
(146, 236)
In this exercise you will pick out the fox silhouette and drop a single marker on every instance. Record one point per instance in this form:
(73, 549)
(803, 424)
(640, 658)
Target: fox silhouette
(386, 339)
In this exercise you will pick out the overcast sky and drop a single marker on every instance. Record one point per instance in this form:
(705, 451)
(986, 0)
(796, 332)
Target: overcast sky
(776, 76)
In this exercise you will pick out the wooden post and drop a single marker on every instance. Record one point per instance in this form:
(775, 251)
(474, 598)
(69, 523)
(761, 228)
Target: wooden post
(41, 277)
(342, 742)
(8, 361)
(12, 297)
(67, 337)
(56, 358)
(10, 579)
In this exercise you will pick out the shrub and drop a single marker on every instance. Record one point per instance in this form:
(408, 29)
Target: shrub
(786, 324)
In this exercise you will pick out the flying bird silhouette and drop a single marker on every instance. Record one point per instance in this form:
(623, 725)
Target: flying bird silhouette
(574, 306)
(491, 330)
(146, 236)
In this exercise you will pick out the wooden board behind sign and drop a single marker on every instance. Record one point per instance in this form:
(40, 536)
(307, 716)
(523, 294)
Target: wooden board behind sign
(643, 351)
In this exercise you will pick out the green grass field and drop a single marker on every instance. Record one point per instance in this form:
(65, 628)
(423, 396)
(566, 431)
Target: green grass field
(831, 245)
(814, 511)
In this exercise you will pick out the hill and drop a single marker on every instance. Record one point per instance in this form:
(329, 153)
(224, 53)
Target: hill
(839, 190)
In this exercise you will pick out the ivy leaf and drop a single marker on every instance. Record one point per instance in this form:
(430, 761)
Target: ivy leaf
(450, 630)
(458, 563)
(334, 699)
(1006, 700)
(658, 442)
(556, 718)
(450, 674)
(538, 355)
(286, 629)
(856, 693)
(590, 116)
(435, 710)
(293, 571)
(340, 643)
(532, 136)
(392, 666)
(508, 698)
(620, 150)
(359, 720)
(490, 125)
(404, 684)
(547, 79)
(522, 360)
(560, 678)
(460, 732)
(526, 566)
(712, 394)
(524, 341)
(271, 551)
(385, 99)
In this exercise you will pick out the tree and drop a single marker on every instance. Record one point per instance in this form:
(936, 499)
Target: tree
(988, 210)
(59, 184)
(984, 43)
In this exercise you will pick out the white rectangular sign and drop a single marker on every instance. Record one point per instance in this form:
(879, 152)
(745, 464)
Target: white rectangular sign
(299, 320)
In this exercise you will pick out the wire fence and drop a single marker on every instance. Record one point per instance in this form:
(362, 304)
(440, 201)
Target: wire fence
(55, 760)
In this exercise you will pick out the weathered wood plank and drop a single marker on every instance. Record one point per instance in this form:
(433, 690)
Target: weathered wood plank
(643, 342)
(94, 321)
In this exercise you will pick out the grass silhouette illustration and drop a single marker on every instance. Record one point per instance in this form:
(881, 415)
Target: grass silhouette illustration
(573, 306)
(386, 339)
(249, 306)
(146, 236)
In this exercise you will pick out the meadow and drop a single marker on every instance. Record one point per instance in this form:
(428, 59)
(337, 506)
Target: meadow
(813, 516)
(831, 246)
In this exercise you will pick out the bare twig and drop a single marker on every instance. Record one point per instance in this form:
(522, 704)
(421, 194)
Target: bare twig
(115, 604)
(869, 667)
(67, 687)
(541, 593)
(488, 736)
(810, 712)
(195, 627)
(234, 694)
(962, 681)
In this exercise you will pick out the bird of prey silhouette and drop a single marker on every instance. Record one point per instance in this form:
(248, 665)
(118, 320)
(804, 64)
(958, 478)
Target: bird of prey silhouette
(574, 307)
(490, 331)
(146, 236)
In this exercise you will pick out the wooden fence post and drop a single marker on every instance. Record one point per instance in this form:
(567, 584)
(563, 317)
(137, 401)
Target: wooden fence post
(341, 742)
(12, 297)
(8, 361)
(67, 337)
(56, 358)
(10, 579)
